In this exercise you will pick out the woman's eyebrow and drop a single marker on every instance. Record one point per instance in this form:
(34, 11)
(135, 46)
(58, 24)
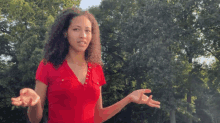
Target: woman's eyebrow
(80, 26)
(88, 27)
(75, 26)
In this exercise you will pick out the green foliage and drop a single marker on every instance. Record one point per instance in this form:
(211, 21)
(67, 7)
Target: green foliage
(23, 27)
(145, 43)
(208, 23)
(154, 31)
(155, 43)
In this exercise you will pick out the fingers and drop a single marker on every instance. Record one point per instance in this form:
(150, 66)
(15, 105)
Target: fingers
(148, 100)
(16, 99)
(24, 104)
(142, 91)
(147, 91)
(20, 101)
(153, 103)
(23, 100)
(23, 91)
(17, 103)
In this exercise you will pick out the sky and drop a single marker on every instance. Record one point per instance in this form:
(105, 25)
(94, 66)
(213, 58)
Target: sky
(85, 4)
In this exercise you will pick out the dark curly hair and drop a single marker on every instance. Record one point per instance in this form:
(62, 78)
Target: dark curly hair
(57, 46)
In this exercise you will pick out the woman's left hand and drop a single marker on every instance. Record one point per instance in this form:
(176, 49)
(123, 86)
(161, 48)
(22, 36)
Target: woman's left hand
(139, 97)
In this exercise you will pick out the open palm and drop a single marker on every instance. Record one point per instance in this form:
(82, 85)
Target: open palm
(28, 97)
(139, 97)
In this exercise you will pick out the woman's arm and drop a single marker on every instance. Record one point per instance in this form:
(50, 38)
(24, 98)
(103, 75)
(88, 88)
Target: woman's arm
(103, 114)
(35, 113)
(137, 96)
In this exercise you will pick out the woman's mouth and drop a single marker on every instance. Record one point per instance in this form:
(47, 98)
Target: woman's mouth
(82, 43)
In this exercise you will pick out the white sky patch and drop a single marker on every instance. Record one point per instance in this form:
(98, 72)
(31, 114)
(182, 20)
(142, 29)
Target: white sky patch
(85, 4)
(207, 60)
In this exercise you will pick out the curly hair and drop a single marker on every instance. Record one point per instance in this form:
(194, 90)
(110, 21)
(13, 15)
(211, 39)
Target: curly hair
(57, 46)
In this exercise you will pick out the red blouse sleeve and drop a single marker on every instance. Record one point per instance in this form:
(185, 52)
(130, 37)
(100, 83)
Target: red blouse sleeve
(42, 73)
(103, 82)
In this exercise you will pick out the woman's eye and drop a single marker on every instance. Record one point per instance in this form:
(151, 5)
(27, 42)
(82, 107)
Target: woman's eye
(75, 29)
(88, 31)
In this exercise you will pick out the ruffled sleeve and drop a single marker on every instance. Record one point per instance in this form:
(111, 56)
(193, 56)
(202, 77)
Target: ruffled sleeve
(102, 82)
(42, 73)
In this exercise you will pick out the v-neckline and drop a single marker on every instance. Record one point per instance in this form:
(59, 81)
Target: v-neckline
(72, 72)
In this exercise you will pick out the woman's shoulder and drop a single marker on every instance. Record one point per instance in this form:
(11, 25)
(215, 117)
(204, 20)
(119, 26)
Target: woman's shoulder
(94, 65)
(44, 62)
(49, 65)
(46, 65)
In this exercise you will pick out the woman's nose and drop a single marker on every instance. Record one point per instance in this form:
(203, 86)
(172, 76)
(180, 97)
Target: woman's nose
(82, 34)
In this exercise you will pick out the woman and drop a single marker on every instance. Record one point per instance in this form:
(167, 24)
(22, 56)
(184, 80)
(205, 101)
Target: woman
(71, 75)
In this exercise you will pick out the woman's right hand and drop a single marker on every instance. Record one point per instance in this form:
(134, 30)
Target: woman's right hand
(28, 97)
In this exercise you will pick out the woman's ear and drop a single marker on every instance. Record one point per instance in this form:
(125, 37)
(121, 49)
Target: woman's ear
(65, 34)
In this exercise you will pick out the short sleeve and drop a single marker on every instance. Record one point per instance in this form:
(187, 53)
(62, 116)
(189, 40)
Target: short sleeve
(42, 73)
(103, 82)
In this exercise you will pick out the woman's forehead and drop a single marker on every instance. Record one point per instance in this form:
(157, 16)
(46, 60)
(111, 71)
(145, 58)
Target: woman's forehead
(81, 21)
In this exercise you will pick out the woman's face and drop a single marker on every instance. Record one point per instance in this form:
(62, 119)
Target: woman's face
(79, 33)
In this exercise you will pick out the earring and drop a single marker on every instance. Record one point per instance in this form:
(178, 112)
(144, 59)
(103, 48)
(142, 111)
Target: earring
(65, 36)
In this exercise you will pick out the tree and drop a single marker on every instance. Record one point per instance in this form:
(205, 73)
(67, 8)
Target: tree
(191, 46)
(22, 31)
(123, 35)
(150, 50)
(208, 23)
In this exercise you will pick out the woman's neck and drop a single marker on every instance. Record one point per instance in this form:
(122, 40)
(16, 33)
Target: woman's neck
(76, 58)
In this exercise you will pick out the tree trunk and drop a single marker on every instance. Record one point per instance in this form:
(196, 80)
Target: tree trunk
(172, 116)
(189, 96)
(188, 108)
(128, 114)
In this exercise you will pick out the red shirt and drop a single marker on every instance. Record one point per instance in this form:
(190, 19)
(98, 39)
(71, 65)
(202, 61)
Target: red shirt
(70, 101)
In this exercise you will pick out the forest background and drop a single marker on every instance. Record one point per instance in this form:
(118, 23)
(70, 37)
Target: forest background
(145, 44)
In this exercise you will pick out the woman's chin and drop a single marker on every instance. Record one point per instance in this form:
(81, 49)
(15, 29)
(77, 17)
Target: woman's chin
(78, 50)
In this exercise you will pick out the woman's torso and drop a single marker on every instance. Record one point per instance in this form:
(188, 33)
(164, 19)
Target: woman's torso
(72, 93)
